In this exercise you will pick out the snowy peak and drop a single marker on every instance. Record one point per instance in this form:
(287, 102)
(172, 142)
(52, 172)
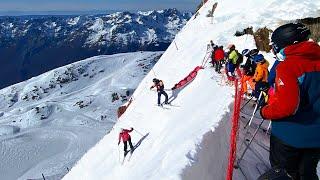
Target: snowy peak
(32, 45)
(116, 23)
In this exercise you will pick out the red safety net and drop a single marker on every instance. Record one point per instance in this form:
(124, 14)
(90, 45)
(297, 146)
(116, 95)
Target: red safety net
(234, 127)
(192, 75)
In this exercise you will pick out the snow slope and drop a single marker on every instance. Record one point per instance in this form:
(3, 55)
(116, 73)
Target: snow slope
(48, 122)
(175, 133)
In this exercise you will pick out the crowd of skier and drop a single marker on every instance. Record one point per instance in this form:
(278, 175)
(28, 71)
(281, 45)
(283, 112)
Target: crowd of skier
(288, 95)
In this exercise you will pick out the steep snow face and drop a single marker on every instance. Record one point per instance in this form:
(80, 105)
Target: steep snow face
(174, 132)
(48, 122)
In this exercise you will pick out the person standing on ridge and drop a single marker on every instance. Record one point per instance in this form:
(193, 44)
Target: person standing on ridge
(213, 59)
(294, 109)
(125, 136)
(218, 57)
(212, 44)
(261, 75)
(160, 89)
(232, 60)
(249, 69)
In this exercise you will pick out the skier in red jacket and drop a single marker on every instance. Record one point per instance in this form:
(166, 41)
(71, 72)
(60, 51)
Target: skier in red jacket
(125, 136)
(218, 58)
(294, 108)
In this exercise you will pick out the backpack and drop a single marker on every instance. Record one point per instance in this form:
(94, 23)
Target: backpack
(240, 58)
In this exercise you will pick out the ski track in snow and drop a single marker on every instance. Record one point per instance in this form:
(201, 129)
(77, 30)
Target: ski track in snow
(176, 133)
(50, 133)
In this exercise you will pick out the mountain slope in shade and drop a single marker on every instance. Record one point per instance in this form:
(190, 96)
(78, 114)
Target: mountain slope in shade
(48, 122)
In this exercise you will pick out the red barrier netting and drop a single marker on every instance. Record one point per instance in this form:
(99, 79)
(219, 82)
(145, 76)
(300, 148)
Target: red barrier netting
(234, 128)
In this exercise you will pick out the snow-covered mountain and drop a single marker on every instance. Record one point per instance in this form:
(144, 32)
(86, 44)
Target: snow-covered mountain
(31, 45)
(175, 135)
(48, 122)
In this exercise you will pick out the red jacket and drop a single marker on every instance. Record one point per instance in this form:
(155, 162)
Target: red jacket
(125, 135)
(300, 58)
(219, 54)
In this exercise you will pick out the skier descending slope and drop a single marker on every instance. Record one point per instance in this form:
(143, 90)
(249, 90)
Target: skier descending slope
(126, 138)
(160, 89)
(295, 106)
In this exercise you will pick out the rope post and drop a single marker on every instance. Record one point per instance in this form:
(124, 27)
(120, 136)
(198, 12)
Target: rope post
(118, 153)
(176, 45)
(154, 73)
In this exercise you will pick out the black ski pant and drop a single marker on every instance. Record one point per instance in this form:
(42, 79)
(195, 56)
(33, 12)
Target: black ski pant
(125, 145)
(300, 163)
(159, 96)
(217, 66)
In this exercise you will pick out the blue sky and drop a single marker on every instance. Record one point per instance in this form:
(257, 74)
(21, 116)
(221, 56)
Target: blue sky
(87, 5)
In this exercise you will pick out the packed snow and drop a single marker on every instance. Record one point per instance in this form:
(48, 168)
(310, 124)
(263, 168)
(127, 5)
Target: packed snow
(174, 133)
(48, 122)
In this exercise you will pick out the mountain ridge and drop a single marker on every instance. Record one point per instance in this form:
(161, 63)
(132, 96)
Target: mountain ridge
(33, 45)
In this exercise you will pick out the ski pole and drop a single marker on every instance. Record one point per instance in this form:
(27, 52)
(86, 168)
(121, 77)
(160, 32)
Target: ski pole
(269, 126)
(246, 103)
(247, 147)
(139, 132)
(254, 111)
(118, 153)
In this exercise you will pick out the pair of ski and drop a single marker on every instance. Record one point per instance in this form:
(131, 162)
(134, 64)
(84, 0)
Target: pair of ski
(166, 106)
(127, 157)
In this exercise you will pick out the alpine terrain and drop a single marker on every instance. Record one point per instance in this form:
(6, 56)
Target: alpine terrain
(189, 139)
(48, 122)
(32, 45)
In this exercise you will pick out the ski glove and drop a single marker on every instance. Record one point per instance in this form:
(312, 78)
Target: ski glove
(263, 100)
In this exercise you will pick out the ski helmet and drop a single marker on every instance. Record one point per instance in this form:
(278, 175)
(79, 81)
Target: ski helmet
(231, 46)
(253, 52)
(258, 58)
(289, 34)
(154, 80)
(245, 52)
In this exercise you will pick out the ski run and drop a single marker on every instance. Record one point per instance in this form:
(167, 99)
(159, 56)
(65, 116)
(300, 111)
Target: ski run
(176, 134)
(48, 122)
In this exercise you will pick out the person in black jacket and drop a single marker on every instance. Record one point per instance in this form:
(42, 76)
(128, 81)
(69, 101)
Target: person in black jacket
(160, 89)
(249, 69)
